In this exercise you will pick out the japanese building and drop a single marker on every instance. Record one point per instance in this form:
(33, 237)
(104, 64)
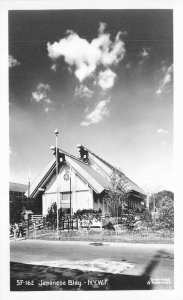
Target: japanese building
(82, 182)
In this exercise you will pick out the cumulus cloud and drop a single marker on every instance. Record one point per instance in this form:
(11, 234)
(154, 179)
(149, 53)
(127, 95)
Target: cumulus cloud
(102, 27)
(106, 79)
(13, 62)
(42, 93)
(167, 78)
(90, 61)
(83, 91)
(83, 56)
(100, 111)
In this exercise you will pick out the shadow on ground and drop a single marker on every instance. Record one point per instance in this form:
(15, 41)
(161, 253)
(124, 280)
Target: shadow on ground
(39, 278)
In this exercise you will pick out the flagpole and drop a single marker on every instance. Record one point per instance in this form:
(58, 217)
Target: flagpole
(70, 195)
(56, 134)
(28, 188)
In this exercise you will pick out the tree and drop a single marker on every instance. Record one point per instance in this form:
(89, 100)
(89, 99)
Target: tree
(146, 218)
(156, 198)
(166, 213)
(51, 217)
(15, 211)
(164, 205)
(115, 197)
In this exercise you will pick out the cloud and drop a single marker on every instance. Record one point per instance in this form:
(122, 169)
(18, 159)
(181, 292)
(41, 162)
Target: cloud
(93, 60)
(97, 115)
(162, 131)
(106, 79)
(167, 78)
(83, 56)
(144, 52)
(102, 27)
(13, 62)
(83, 91)
(42, 94)
(47, 109)
(54, 67)
(144, 55)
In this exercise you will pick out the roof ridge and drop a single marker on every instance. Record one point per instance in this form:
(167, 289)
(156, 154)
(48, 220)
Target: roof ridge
(74, 157)
(103, 160)
(113, 167)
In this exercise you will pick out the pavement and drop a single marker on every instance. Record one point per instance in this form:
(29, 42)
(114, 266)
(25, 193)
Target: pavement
(154, 260)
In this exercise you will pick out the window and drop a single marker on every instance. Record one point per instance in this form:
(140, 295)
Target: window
(65, 200)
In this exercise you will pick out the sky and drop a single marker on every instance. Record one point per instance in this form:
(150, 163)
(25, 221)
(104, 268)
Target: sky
(104, 78)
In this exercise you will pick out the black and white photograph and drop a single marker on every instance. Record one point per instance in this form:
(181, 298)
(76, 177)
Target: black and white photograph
(91, 194)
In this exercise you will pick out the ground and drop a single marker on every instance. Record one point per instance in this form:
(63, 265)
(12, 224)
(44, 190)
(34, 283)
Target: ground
(47, 265)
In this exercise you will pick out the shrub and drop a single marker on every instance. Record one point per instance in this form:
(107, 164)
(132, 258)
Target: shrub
(109, 226)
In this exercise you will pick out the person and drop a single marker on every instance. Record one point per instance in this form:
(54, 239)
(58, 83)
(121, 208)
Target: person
(15, 231)
(11, 230)
(21, 230)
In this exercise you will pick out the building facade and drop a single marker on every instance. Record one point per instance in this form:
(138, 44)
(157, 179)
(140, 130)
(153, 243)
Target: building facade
(81, 183)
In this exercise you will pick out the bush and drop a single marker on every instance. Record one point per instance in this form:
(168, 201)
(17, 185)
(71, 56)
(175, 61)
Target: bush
(163, 203)
(109, 226)
(146, 218)
(51, 217)
(88, 213)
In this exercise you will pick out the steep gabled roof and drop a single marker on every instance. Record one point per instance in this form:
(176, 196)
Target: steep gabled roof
(92, 177)
(102, 164)
(40, 180)
(98, 181)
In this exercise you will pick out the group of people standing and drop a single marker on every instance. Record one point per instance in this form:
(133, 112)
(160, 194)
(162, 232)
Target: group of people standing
(17, 230)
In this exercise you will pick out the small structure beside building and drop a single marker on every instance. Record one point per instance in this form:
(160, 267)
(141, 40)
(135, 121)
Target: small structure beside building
(26, 214)
(82, 183)
(17, 193)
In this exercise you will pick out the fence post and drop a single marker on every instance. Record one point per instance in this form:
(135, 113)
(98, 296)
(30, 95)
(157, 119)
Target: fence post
(27, 228)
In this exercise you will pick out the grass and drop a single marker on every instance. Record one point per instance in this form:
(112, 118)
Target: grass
(96, 235)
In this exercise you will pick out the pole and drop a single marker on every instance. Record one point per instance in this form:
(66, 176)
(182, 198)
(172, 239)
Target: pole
(28, 189)
(27, 226)
(56, 133)
(70, 195)
(117, 211)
